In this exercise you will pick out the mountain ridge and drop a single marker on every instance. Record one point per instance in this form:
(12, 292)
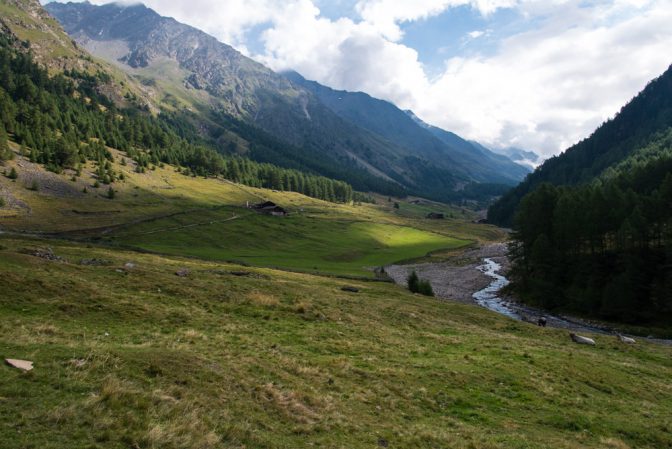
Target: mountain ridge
(386, 119)
(225, 81)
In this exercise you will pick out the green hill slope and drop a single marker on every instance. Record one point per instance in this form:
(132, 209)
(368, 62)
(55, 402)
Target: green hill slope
(135, 356)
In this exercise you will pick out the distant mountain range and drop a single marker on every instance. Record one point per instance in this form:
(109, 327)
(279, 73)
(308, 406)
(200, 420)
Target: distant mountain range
(520, 156)
(247, 108)
(446, 149)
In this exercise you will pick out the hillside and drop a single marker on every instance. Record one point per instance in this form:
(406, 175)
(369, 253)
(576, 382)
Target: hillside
(274, 359)
(633, 127)
(593, 225)
(187, 68)
(230, 354)
(163, 210)
(56, 51)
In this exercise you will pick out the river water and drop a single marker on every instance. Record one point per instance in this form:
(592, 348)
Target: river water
(489, 296)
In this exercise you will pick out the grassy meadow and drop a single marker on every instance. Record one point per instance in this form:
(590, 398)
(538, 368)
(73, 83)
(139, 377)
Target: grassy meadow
(243, 355)
(166, 212)
(139, 357)
(298, 242)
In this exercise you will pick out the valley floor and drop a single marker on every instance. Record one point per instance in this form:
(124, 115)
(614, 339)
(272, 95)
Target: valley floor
(460, 273)
(141, 350)
(164, 321)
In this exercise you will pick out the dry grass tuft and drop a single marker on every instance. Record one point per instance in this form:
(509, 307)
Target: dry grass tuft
(192, 335)
(187, 431)
(292, 404)
(263, 299)
(45, 329)
(613, 443)
(302, 307)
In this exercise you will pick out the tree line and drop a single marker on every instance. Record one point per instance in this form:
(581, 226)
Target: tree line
(603, 249)
(62, 121)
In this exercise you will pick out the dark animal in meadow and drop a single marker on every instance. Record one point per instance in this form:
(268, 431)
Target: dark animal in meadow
(541, 321)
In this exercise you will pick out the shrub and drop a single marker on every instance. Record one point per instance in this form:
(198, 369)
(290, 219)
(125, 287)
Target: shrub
(417, 285)
(413, 282)
(425, 288)
(13, 174)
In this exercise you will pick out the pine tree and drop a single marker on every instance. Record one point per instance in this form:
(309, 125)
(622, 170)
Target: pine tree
(413, 282)
(5, 153)
(425, 288)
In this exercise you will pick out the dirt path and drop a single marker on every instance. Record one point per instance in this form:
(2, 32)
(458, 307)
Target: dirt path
(192, 225)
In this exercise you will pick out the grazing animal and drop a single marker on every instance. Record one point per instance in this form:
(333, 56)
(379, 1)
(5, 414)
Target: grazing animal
(541, 321)
(582, 340)
(624, 339)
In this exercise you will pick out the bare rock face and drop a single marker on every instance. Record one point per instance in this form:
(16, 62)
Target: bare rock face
(215, 67)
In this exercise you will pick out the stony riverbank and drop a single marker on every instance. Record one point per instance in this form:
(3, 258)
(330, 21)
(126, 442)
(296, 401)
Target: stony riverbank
(457, 279)
(470, 273)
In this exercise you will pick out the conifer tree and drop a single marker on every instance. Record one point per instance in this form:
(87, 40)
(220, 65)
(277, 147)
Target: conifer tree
(5, 153)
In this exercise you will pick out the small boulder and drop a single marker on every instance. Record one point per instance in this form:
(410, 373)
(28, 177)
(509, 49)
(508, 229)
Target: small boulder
(42, 253)
(24, 365)
(182, 273)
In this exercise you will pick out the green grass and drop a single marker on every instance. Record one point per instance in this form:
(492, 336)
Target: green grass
(298, 242)
(317, 236)
(147, 359)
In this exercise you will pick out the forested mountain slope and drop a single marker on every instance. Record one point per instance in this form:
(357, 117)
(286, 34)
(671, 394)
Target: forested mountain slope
(239, 102)
(187, 69)
(633, 127)
(593, 226)
(63, 121)
(51, 47)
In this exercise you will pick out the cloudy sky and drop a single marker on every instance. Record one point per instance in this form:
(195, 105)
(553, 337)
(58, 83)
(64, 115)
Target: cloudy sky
(535, 74)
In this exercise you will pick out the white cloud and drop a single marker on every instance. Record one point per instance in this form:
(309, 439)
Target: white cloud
(548, 88)
(386, 15)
